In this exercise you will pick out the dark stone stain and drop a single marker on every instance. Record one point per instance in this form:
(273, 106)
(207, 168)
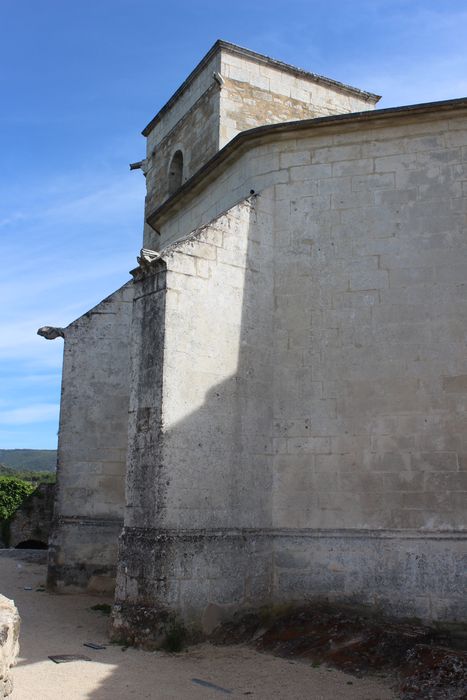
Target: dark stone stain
(419, 661)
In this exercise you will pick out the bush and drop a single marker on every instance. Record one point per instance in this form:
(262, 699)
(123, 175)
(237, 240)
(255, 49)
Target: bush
(13, 492)
(36, 477)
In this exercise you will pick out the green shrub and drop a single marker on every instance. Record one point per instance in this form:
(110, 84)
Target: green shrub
(13, 492)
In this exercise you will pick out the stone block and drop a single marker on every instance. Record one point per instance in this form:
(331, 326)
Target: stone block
(361, 166)
(9, 644)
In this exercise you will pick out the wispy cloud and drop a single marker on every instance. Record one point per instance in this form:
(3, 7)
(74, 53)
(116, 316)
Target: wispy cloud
(36, 413)
(103, 199)
(12, 219)
(69, 245)
(115, 200)
(71, 214)
(54, 269)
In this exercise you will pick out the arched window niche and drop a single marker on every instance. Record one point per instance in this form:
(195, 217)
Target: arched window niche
(176, 172)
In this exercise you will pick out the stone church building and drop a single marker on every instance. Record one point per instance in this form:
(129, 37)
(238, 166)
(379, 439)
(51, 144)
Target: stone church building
(274, 407)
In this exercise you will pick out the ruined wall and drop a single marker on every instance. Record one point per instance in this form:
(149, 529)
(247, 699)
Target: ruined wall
(92, 446)
(196, 539)
(33, 519)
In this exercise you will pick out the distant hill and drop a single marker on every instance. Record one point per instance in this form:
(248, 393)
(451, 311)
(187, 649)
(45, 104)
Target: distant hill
(32, 460)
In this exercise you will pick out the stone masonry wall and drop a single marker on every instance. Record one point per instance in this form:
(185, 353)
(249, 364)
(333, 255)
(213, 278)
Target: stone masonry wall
(191, 125)
(206, 115)
(268, 161)
(369, 356)
(92, 447)
(370, 404)
(218, 371)
(374, 316)
(33, 519)
(196, 135)
(255, 94)
(196, 538)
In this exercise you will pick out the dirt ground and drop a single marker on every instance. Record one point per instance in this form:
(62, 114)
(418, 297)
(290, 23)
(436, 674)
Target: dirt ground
(53, 624)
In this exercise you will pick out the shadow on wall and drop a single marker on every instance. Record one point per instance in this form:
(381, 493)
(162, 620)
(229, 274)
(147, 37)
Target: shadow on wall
(198, 513)
(261, 402)
(176, 172)
(31, 544)
(264, 384)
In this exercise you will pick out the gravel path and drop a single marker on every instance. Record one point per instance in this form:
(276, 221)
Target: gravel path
(53, 624)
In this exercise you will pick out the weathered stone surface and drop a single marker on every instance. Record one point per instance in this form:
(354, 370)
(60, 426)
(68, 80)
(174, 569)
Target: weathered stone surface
(51, 332)
(208, 112)
(295, 368)
(92, 447)
(9, 644)
(32, 521)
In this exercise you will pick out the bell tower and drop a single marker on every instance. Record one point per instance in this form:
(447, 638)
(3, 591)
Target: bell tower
(232, 90)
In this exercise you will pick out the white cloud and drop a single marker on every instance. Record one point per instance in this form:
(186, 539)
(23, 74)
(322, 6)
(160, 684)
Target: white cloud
(35, 413)
(71, 248)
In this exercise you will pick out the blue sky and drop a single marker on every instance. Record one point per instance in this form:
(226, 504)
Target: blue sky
(78, 82)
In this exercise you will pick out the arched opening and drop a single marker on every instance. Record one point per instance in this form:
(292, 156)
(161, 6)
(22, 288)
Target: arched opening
(176, 172)
(31, 544)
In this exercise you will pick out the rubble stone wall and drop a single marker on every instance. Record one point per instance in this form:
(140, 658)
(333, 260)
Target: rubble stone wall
(33, 519)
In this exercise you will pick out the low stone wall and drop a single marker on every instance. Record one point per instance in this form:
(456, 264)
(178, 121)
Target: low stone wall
(32, 521)
(9, 646)
(83, 555)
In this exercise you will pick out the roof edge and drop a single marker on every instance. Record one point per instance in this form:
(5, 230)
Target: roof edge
(299, 72)
(93, 309)
(283, 127)
(265, 60)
